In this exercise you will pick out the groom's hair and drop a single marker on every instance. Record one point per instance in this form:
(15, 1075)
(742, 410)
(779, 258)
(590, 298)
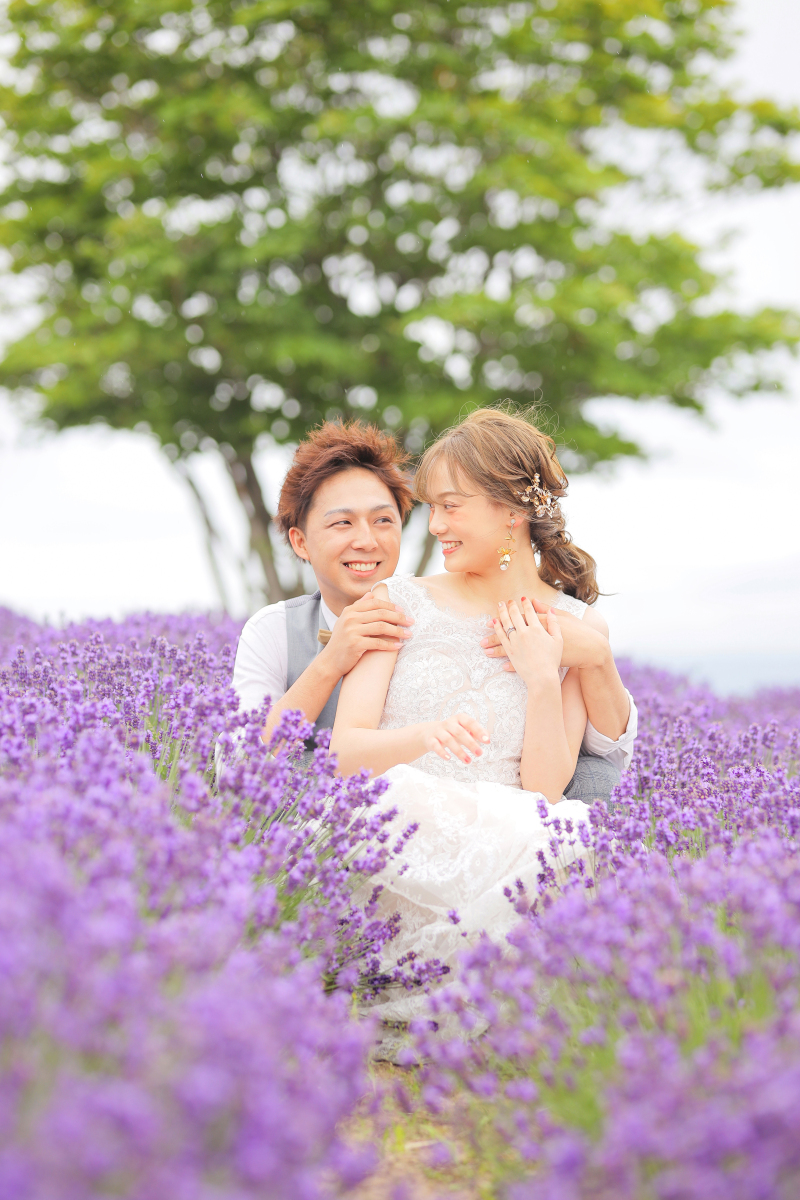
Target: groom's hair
(333, 448)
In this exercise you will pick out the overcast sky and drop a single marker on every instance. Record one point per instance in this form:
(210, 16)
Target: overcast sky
(700, 545)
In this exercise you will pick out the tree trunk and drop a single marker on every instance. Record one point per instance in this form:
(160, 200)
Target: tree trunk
(248, 489)
(212, 536)
(427, 551)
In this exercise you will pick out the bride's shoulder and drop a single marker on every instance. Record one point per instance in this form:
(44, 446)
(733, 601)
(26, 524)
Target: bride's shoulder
(580, 609)
(589, 616)
(596, 620)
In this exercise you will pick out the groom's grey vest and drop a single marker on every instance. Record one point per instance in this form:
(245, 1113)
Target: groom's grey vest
(304, 620)
(594, 778)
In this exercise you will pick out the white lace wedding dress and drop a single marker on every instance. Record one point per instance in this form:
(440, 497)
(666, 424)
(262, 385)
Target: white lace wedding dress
(479, 832)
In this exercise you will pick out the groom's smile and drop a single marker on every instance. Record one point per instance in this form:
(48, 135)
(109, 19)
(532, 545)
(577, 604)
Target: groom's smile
(362, 568)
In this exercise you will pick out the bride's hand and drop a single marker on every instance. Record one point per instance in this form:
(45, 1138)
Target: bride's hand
(585, 644)
(534, 649)
(461, 735)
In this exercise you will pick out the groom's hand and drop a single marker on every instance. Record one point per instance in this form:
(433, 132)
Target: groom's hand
(585, 646)
(371, 623)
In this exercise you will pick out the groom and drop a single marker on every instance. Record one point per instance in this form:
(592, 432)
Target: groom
(342, 508)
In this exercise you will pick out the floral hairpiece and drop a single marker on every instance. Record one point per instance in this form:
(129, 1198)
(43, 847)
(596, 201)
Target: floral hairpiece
(544, 502)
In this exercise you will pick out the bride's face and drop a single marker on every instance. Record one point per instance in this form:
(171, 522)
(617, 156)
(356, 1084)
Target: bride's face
(470, 527)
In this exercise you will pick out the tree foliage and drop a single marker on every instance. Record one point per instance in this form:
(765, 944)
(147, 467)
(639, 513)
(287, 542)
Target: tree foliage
(245, 217)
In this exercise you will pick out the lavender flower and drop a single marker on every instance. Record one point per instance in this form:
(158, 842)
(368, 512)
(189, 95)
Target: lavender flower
(178, 933)
(179, 940)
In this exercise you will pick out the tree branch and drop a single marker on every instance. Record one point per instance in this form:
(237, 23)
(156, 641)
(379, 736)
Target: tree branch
(248, 489)
(212, 538)
(427, 551)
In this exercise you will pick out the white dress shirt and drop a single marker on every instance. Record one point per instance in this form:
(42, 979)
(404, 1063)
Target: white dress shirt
(262, 658)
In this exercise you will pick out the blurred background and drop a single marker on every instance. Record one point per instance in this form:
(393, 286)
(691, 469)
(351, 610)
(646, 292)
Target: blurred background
(220, 228)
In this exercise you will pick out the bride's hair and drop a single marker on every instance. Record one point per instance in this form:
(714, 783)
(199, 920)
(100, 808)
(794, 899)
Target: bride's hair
(501, 453)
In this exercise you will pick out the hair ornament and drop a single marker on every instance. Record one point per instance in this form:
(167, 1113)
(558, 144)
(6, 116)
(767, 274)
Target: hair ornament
(544, 502)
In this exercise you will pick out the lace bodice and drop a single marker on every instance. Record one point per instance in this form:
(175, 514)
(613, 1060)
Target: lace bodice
(442, 669)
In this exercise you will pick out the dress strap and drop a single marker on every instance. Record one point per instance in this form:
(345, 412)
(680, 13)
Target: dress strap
(396, 583)
(571, 605)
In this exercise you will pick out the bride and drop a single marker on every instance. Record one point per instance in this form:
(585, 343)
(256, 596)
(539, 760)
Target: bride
(470, 745)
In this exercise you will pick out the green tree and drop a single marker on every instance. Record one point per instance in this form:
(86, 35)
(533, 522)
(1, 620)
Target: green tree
(243, 217)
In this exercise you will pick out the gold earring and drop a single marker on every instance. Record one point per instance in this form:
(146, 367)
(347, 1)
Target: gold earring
(505, 552)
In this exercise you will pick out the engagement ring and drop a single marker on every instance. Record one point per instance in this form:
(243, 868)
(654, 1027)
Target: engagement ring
(511, 629)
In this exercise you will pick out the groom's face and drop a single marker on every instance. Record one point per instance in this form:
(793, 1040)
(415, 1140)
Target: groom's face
(351, 536)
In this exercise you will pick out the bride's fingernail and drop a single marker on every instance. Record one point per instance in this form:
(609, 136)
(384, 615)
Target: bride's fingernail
(485, 737)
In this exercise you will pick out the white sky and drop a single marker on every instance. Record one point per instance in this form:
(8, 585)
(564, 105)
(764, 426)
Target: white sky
(700, 545)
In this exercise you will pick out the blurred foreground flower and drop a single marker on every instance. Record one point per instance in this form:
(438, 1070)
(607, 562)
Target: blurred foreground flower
(169, 927)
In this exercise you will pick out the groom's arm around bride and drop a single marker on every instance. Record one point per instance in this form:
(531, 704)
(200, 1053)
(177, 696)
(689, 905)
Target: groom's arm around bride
(611, 719)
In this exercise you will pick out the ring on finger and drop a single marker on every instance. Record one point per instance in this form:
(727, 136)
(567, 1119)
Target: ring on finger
(511, 629)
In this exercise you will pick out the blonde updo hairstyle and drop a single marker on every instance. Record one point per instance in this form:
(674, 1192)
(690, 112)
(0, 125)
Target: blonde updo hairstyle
(500, 453)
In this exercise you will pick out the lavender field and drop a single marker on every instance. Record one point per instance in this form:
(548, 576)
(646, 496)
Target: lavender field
(183, 963)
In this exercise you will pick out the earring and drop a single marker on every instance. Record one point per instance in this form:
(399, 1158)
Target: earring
(505, 552)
